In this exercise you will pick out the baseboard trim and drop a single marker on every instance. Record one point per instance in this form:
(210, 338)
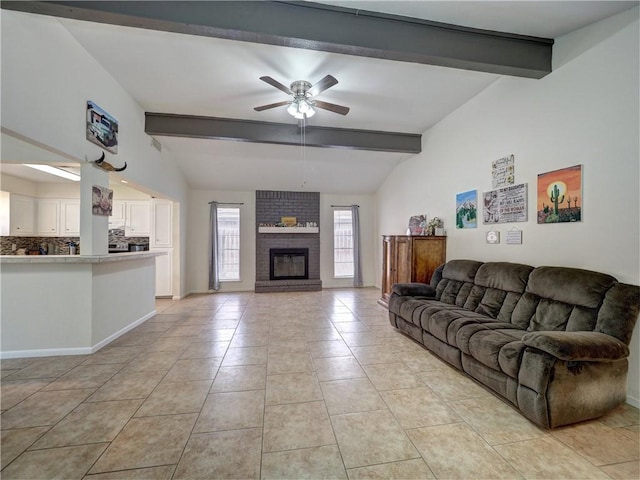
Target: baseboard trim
(633, 401)
(122, 331)
(57, 352)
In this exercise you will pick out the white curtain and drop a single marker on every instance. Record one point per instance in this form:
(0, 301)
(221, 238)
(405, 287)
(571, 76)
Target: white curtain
(214, 278)
(357, 256)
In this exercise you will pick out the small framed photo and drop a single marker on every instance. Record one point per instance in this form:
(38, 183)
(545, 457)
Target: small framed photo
(102, 128)
(102, 202)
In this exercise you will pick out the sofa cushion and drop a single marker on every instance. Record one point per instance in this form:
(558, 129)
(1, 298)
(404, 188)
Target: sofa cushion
(457, 276)
(510, 357)
(570, 285)
(466, 332)
(509, 277)
(501, 285)
(550, 315)
(619, 312)
(485, 346)
(440, 321)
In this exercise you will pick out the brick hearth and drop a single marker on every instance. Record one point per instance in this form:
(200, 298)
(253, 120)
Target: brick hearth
(271, 206)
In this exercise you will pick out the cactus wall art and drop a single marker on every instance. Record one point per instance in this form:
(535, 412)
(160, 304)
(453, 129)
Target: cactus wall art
(560, 195)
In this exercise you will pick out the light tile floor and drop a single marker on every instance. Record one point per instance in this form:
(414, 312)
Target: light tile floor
(299, 385)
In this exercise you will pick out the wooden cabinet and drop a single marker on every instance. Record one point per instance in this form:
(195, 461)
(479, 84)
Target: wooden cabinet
(138, 219)
(48, 217)
(22, 215)
(70, 218)
(164, 272)
(118, 214)
(409, 259)
(161, 223)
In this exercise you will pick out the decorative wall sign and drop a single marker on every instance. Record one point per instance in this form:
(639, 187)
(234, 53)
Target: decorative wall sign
(417, 225)
(102, 128)
(467, 209)
(102, 201)
(505, 205)
(503, 172)
(560, 195)
(493, 237)
(514, 237)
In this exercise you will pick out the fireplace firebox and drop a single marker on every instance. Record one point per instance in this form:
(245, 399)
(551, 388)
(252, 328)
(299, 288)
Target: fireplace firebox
(288, 263)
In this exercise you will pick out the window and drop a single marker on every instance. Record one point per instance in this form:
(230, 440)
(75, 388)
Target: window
(228, 243)
(342, 244)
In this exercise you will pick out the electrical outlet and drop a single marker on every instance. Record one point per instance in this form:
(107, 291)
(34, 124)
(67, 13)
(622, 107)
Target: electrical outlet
(13, 247)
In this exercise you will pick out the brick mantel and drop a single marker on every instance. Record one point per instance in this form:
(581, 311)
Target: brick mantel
(271, 206)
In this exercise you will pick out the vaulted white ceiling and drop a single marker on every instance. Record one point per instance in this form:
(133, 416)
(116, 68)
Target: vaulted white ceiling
(185, 74)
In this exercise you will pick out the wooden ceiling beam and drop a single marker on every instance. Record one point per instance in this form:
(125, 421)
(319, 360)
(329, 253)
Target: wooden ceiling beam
(320, 27)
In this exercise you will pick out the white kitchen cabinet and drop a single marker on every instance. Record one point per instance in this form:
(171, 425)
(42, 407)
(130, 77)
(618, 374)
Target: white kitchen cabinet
(22, 215)
(161, 223)
(118, 214)
(138, 219)
(48, 215)
(164, 272)
(70, 218)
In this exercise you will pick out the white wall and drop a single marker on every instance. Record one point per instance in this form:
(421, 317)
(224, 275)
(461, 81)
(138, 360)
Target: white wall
(47, 78)
(368, 243)
(197, 263)
(585, 112)
(198, 224)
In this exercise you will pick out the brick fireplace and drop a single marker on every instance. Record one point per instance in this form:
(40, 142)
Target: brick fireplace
(271, 206)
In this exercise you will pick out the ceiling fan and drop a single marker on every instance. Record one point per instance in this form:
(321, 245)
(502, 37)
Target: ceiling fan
(303, 105)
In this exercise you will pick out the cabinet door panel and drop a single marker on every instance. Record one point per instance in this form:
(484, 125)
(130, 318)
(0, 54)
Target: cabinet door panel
(22, 215)
(403, 260)
(138, 222)
(118, 214)
(387, 267)
(162, 220)
(427, 255)
(48, 217)
(70, 213)
(164, 273)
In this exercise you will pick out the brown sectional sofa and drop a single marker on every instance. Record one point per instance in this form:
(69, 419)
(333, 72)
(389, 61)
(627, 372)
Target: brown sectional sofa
(552, 341)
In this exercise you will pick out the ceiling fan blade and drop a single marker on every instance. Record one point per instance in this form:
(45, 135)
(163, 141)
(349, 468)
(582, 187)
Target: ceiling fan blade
(332, 107)
(271, 105)
(277, 84)
(327, 82)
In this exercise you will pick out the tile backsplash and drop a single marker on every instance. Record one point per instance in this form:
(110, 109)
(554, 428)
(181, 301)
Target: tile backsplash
(60, 244)
(116, 235)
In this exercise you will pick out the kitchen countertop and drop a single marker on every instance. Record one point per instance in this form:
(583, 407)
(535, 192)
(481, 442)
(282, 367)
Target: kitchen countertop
(111, 257)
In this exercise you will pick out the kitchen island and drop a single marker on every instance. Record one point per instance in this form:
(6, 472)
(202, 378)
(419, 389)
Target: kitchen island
(72, 304)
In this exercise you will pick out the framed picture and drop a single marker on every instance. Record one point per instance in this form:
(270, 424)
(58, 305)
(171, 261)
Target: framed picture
(505, 205)
(102, 202)
(418, 225)
(560, 195)
(467, 209)
(102, 128)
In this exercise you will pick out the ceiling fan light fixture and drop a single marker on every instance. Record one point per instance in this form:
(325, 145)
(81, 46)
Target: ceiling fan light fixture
(301, 108)
(303, 104)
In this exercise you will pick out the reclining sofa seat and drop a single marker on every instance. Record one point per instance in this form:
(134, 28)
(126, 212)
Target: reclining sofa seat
(553, 341)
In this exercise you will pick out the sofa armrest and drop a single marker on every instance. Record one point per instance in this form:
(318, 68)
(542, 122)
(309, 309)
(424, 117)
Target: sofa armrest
(578, 346)
(414, 290)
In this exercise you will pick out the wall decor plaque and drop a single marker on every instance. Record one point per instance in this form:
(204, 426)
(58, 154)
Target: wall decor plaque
(505, 205)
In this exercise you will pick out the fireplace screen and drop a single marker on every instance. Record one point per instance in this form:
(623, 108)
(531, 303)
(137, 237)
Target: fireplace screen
(288, 263)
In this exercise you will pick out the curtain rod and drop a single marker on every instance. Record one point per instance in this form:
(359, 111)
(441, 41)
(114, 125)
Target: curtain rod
(222, 203)
(344, 206)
